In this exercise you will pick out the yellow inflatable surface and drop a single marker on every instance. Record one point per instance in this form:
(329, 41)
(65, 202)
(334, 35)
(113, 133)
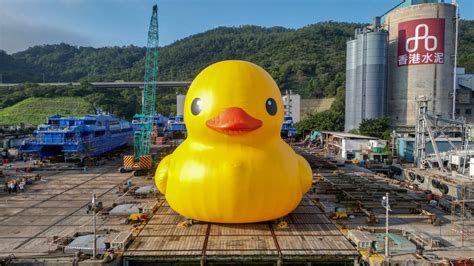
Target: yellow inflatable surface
(233, 167)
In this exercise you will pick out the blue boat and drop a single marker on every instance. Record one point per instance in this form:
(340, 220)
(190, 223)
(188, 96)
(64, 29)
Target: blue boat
(78, 137)
(176, 129)
(288, 129)
(159, 123)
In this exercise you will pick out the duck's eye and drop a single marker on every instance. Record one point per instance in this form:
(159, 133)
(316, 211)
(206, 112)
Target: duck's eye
(196, 107)
(271, 106)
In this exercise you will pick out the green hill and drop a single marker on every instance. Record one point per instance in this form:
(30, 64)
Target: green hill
(34, 111)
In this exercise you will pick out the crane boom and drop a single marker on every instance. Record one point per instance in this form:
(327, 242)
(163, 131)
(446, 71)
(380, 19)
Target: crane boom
(142, 136)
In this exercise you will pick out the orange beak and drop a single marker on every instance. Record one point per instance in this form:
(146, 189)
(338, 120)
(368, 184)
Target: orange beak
(234, 121)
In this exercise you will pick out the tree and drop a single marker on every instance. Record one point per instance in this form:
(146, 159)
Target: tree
(375, 127)
(327, 120)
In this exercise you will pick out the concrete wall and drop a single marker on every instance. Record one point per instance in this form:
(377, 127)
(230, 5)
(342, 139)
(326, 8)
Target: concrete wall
(353, 145)
(309, 106)
(405, 83)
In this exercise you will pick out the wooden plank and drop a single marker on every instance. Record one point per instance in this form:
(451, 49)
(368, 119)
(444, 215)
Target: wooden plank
(172, 219)
(169, 245)
(173, 230)
(239, 229)
(311, 245)
(307, 209)
(240, 245)
(307, 229)
(299, 218)
(20, 231)
(20, 220)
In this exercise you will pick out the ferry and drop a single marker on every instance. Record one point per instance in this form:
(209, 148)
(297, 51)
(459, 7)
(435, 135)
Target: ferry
(78, 137)
(176, 129)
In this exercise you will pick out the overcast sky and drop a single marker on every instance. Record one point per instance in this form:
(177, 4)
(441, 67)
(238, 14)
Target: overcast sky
(98, 23)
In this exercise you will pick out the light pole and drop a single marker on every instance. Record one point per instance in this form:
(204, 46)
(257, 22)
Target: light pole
(386, 205)
(94, 246)
(93, 207)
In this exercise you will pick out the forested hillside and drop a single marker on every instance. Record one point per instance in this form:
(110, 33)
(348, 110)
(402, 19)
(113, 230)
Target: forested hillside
(310, 61)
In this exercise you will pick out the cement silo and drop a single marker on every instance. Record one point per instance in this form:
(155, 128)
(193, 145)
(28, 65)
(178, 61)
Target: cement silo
(420, 59)
(366, 70)
(180, 104)
(350, 85)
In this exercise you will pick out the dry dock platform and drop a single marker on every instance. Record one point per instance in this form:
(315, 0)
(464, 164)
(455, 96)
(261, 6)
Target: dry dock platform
(306, 235)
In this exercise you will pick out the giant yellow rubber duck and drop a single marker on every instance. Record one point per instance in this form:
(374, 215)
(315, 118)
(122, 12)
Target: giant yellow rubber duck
(233, 167)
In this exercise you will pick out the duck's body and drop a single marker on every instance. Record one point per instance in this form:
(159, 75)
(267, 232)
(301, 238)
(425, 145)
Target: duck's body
(220, 185)
(233, 167)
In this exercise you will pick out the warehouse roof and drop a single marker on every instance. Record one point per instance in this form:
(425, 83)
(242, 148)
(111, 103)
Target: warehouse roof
(347, 135)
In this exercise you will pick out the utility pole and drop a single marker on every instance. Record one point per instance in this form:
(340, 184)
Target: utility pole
(93, 207)
(94, 246)
(394, 134)
(386, 205)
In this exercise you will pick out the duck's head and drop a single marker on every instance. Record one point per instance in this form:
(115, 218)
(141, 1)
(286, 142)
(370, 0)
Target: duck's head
(233, 101)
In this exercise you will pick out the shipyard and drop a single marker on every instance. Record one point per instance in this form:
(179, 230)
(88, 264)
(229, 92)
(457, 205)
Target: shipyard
(328, 144)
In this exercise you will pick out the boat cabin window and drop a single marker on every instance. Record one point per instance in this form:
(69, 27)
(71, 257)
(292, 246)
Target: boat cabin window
(89, 122)
(53, 122)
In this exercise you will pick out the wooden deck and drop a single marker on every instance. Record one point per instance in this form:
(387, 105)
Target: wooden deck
(310, 236)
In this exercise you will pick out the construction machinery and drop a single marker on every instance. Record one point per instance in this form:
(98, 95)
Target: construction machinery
(339, 214)
(137, 217)
(141, 158)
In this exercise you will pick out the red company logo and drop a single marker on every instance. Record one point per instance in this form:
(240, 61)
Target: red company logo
(421, 42)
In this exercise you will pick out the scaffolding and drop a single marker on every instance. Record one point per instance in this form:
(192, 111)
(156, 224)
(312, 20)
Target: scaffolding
(461, 214)
(428, 127)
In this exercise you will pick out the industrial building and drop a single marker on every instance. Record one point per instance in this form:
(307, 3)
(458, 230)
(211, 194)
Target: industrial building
(352, 146)
(291, 104)
(465, 95)
(366, 75)
(406, 147)
(407, 52)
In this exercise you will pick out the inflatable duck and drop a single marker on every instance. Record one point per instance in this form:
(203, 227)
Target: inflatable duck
(233, 167)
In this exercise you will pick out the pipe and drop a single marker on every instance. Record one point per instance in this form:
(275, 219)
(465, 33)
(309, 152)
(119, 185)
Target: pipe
(455, 57)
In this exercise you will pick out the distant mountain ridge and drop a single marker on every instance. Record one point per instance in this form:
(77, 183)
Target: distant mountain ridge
(309, 60)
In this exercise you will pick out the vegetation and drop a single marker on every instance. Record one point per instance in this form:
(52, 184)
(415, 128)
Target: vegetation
(34, 111)
(466, 45)
(310, 61)
(376, 127)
